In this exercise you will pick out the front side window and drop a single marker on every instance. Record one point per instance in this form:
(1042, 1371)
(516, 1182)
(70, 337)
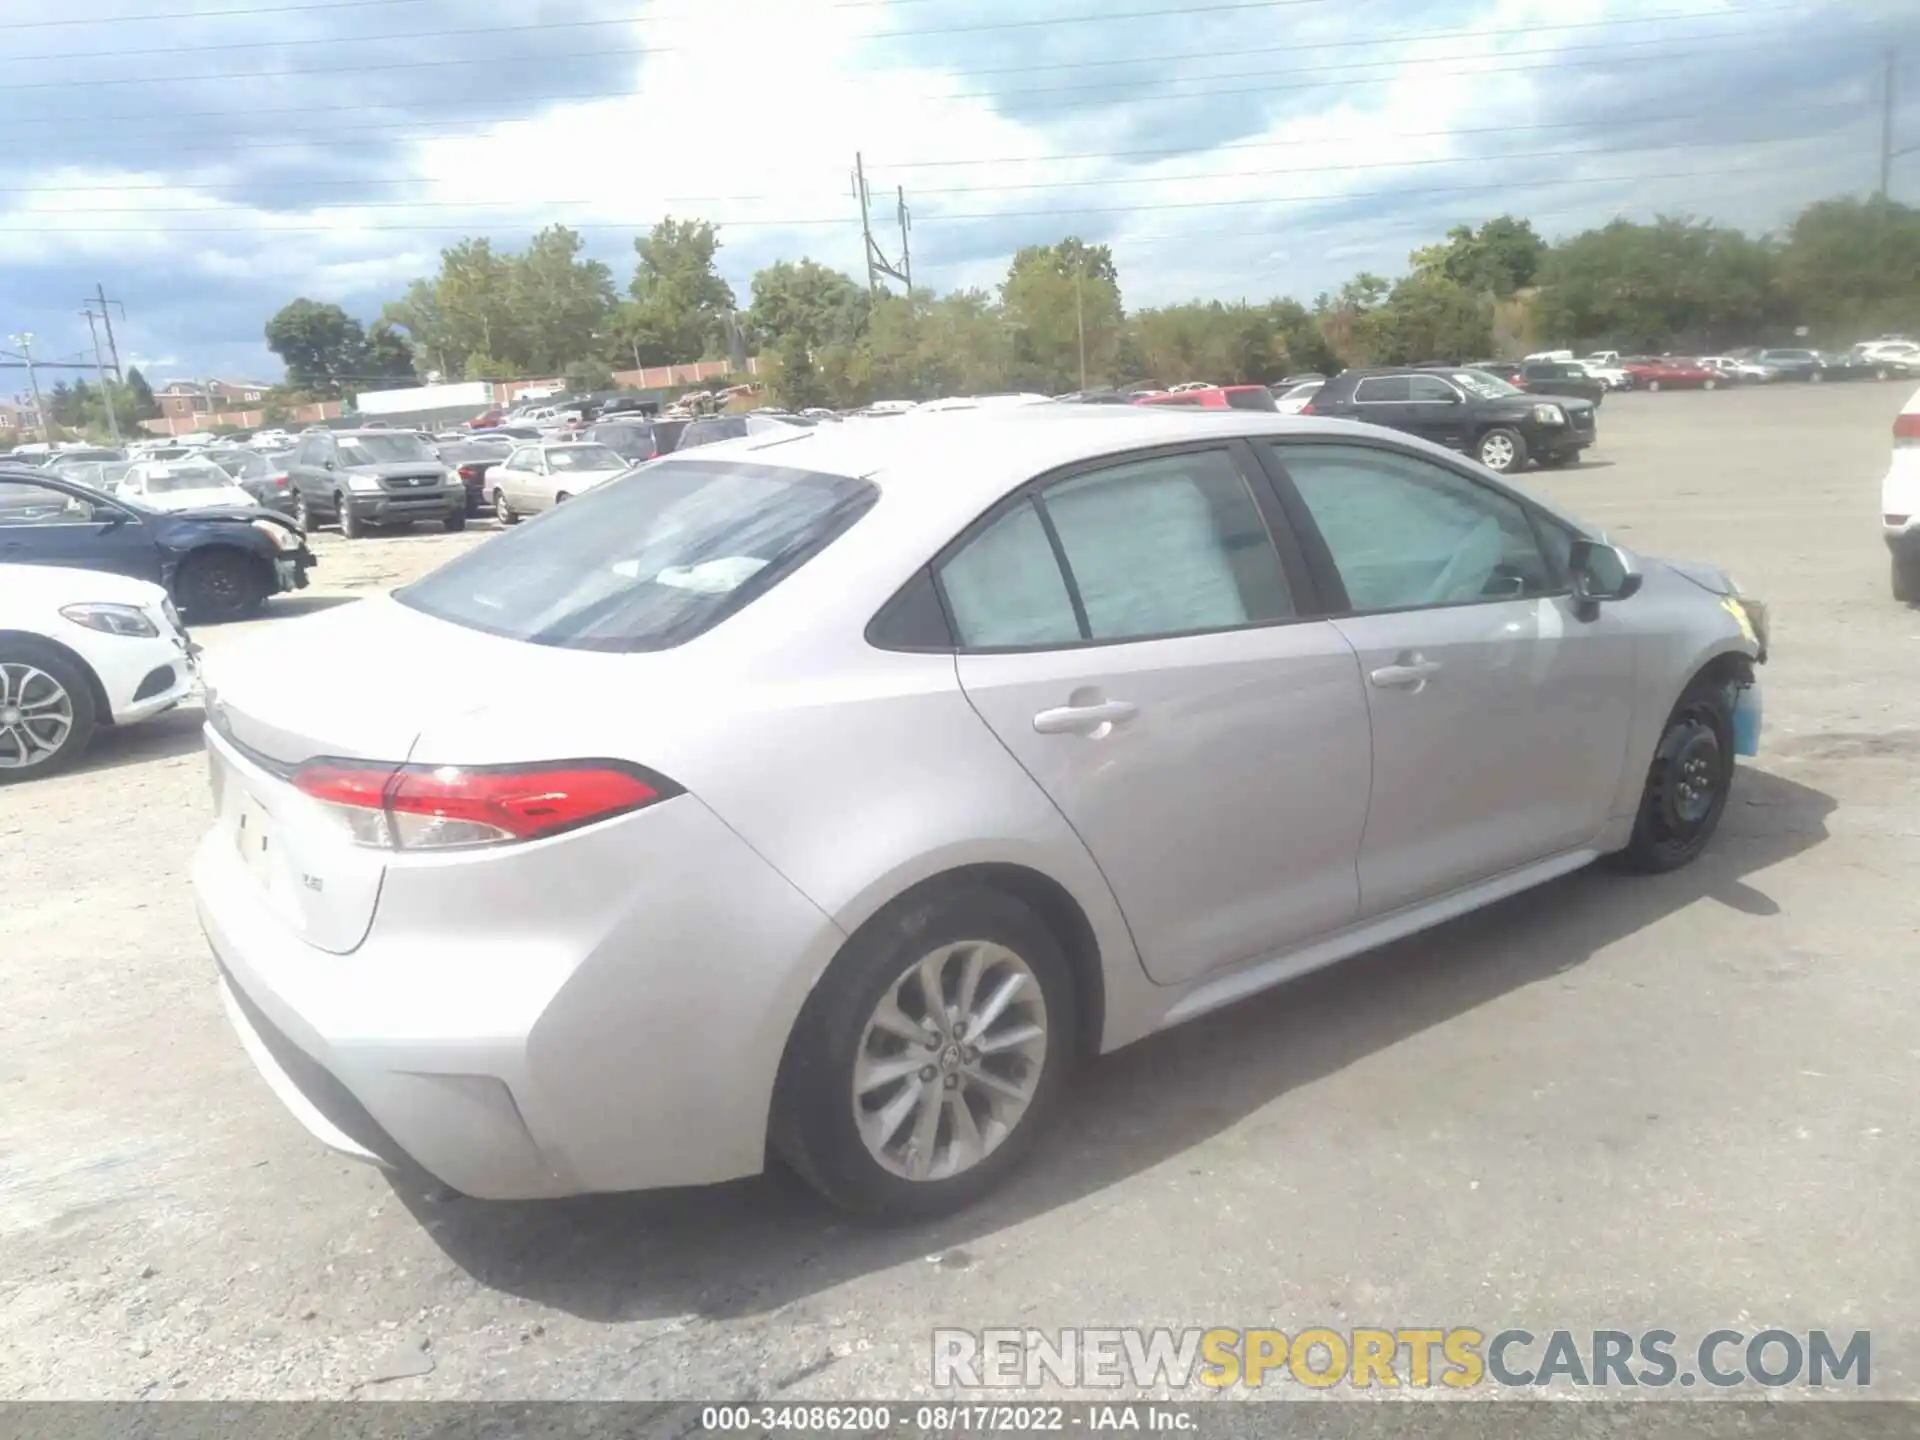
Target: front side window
(645, 562)
(1430, 390)
(1406, 533)
(1485, 385)
(24, 503)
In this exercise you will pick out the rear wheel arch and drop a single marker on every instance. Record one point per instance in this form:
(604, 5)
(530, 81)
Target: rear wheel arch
(11, 640)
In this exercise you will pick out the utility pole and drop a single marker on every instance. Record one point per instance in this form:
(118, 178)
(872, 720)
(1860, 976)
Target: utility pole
(25, 342)
(100, 369)
(877, 262)
(1886, 121)
(106, 318)
(1080, 318)
(906, 255)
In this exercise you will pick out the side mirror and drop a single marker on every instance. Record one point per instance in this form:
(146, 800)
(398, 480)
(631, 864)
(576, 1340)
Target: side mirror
(326, 464)
(1601, 573)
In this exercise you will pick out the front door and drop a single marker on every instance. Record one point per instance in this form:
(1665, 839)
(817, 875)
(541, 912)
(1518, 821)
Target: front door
(1499, 716)
(43, 525)
(1436, 411)
(1132, 635)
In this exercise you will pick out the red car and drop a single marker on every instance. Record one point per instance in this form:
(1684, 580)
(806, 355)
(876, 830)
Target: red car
(1668, 372)
(1216, 397)
(486, 420)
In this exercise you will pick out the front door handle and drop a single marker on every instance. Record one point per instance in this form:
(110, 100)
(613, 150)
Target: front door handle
(1408, 672)
(1084, 719)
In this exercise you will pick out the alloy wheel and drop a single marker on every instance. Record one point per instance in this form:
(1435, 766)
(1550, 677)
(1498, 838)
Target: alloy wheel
(949, 1061)
(36, 716)
(1496, 452)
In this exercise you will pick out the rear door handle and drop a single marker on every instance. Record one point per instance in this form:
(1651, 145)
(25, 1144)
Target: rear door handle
(1408, 672)
(1080, 719)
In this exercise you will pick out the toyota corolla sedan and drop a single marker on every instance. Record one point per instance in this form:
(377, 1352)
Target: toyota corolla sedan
(829, 795)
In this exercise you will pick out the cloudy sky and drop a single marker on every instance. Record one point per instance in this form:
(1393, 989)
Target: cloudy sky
(208, 160)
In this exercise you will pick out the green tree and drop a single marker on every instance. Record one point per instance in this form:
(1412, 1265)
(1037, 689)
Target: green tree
(1502, 256)
(140, 396)
(318, 343)
(1427, 317)
(680, 305)
(588, 377)
(560, 303)
(386, 354)
(1053, 296)
(1852, 267)
(805, 299)
(1673, 283)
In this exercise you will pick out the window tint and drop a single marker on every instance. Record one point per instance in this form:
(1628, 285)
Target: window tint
(1429, 388)
(1404, 532)
(24, 503)
(1382, 388)
(1168, 546)
(645, 562)
(1005, 586)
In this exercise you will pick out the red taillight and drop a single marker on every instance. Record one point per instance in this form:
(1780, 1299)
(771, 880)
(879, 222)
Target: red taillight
(436, 807)
(280, 482)
(469, 472)
(1906, 430)
(1305, 409)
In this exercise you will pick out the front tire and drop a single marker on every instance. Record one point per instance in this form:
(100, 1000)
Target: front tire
(47, 715)
(1502, 450)
(456, 522)
(928, 1058)
(1687, 784)
(220, 585)
(351, 525)
(503, 510)
(1906, 578)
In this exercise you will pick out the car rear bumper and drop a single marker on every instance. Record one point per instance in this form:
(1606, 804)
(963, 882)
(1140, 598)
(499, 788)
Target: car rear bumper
(604, 1011)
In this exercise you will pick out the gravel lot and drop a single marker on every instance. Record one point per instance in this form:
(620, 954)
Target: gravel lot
(1685, 1102)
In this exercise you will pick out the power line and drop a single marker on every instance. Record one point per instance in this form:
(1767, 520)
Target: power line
(332, 138)
(249, 12)
(1103, 182)
(270, 231)
(1418, 37)
(1217, 6)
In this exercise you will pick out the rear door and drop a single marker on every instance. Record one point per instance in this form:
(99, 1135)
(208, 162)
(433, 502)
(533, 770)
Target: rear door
(1384, 400)
(1132, 631)
(1499, 715)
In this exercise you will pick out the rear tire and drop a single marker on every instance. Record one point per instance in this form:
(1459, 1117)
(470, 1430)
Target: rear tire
(220, 584)
(54, 700)
(1710, 385)
(503, 510)
(456, 522)
(351, 525)
(1906, 578)
(857, 1146)
(1687, 785)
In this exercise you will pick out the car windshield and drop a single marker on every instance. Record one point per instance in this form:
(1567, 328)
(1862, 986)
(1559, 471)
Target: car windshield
(646, 562)
(383, 449)
(185, 475)
(100, 474)
(1481, 384)
(584, 457)
(242, 464)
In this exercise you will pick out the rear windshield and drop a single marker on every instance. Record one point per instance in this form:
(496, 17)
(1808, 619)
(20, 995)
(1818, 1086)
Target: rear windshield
(1252, 398)
(648, 561)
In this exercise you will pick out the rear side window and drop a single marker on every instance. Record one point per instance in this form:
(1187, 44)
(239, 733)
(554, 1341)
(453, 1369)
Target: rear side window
(1377, 389)
(1251, 399)
(646, 562)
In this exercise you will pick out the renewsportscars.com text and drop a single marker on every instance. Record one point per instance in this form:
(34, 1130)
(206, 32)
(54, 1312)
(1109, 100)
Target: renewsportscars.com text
(1459, 1358)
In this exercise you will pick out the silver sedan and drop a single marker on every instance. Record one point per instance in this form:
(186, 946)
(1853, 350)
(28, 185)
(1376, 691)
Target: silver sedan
(831, 795)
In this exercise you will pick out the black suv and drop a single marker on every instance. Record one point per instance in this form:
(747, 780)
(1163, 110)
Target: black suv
(363, 478)
(1501, 427)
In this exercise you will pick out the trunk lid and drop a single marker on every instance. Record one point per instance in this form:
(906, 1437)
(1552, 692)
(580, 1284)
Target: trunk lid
(360, 682)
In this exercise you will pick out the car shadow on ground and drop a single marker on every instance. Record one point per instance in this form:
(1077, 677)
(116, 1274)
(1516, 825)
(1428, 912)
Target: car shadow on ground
(177, 732)
(755, 1245)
